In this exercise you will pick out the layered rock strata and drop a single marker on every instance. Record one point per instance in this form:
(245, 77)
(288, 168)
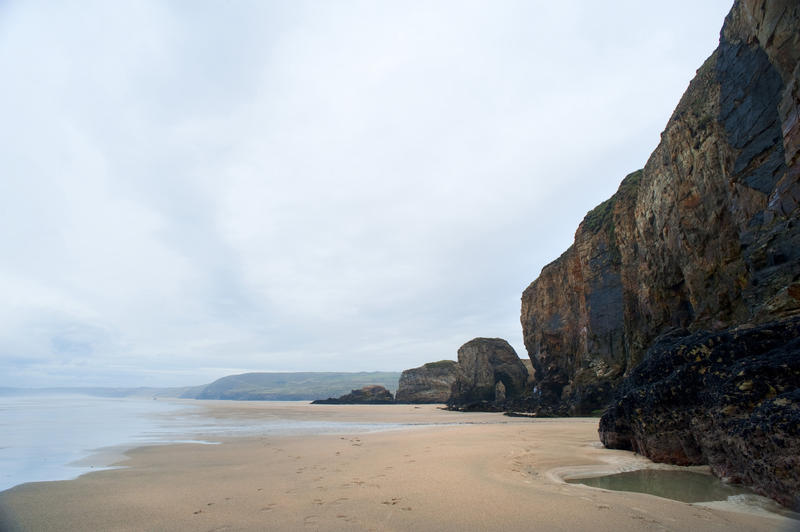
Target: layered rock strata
(430, 383)
(704, 237)
(489, 374)
(368, 395)
(729, 399)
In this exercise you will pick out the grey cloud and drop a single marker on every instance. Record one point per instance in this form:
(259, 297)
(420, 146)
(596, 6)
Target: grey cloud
(194, 189)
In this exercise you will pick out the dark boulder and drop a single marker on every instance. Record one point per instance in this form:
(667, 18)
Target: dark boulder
(368, 395)
(729, 399)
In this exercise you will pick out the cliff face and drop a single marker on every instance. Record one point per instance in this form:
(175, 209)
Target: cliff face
(430, 383)
(573, 315)
(705, 237)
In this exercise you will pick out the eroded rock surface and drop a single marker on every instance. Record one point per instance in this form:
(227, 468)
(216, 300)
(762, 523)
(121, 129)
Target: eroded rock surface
(696, 262)
(704, 237)
(430, 383)
(489, 373)
(729, 399)
(368, 395)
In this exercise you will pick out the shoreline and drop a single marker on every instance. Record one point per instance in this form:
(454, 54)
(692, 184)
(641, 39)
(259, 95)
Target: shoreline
(453, 471)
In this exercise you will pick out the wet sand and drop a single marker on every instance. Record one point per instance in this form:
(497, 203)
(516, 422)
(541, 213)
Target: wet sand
(469, 472)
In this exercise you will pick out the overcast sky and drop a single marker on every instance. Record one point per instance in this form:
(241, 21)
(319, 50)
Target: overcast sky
(194, 189)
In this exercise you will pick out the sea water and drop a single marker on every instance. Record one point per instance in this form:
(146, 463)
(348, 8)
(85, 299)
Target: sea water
(45, 437)
(62, 437)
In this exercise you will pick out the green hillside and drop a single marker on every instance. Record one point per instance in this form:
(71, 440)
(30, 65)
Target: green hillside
(291, 386)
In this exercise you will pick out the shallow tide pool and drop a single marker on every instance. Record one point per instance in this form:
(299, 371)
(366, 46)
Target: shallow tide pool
(685, 486)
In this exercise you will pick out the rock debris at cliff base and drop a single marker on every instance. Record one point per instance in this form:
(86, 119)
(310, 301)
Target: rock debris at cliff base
(729, 399)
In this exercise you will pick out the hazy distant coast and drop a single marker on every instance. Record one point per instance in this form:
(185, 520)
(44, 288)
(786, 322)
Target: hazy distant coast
(297, 386)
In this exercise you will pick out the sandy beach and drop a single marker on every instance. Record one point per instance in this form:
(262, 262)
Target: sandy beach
(467, 472)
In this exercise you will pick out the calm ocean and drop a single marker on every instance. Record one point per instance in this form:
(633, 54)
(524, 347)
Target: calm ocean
(63, 437)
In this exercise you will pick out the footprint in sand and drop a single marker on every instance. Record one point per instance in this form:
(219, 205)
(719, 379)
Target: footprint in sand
(407, 508)
(311, 520)
(268, 508)
(318, 502)
(393, 501)
(646, 520)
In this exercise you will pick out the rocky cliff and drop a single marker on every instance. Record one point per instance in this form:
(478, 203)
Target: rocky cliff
(429, 383)
(704, 237)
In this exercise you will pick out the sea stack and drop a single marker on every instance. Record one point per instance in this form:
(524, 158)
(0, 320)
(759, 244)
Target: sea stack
(489, 372)
(429, 383)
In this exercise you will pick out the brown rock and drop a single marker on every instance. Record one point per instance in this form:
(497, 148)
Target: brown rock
(430, 383)
(706, 236)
